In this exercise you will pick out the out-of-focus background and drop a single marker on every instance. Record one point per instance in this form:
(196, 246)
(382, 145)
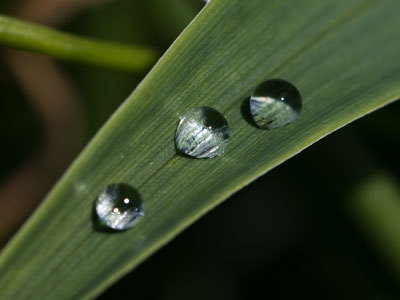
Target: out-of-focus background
(324, 225)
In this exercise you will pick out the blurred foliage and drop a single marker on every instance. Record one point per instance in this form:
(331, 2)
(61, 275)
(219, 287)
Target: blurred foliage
(20, 129)
(287, 235)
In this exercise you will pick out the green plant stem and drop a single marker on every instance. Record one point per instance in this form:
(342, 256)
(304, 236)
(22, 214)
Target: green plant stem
(40, 39)
(375, 204)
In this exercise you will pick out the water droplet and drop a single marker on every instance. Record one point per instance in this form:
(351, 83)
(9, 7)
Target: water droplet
(119, 206)
(203, 132)
(275, 103)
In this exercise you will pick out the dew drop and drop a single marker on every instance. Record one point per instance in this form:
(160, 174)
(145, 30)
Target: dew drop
(275, 103)
(119, 206)
(202, 132)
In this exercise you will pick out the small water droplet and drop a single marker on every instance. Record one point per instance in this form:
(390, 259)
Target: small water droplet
(275, 103)
(203, 132)
(119, 206)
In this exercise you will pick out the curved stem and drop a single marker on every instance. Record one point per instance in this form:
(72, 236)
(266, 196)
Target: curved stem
(27, 36)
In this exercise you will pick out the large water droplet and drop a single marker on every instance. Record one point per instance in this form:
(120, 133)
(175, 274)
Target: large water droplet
(119, 206)
(275, 103)
(203, 132)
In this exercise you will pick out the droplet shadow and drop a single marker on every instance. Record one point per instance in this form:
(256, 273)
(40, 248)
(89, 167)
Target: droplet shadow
(181, 154)
(246, 114)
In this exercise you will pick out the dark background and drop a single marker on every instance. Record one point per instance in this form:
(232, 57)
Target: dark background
(294, 232)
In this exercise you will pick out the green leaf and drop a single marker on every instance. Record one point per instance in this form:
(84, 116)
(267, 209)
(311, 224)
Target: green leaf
(341, 55)
(40, 39)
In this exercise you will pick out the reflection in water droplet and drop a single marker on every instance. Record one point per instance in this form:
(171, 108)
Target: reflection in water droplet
(202, 132)
(119, 206)
(275, 103)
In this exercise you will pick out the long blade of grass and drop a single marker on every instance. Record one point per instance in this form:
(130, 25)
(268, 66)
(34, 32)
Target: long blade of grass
(343, 57)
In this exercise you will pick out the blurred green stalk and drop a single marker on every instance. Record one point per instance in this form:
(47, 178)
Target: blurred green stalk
(376, 206)
(40, 39)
